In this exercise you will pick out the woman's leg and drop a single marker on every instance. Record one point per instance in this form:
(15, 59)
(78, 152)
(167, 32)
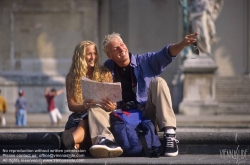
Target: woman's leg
(76, 136)
(81, 135)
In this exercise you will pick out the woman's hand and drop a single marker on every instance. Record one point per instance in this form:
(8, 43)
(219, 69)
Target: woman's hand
(108, 105)
(88, 103)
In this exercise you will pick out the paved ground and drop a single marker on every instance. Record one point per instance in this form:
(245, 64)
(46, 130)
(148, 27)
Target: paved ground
(180, 159)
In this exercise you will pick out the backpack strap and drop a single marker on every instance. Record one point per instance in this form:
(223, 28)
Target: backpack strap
(142, 138)
(154, 151)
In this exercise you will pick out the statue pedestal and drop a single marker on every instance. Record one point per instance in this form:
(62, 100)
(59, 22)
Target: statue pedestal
(198, 86)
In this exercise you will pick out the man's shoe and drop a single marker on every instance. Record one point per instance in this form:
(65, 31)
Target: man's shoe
(171, 148)
(106, 149)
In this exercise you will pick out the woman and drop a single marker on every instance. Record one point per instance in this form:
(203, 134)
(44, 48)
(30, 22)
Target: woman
(85, 62)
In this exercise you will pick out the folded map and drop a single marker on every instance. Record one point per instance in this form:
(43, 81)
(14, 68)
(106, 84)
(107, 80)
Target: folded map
(101, 90)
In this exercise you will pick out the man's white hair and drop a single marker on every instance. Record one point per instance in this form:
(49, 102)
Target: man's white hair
(108, 39)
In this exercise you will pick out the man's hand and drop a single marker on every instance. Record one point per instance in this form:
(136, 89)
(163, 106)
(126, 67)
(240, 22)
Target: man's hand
(177, 48)
(189, 39)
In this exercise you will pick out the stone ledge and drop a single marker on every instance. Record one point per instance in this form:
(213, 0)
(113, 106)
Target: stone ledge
(227, 138)
(211, 143)
(37, 138)
(222, 138)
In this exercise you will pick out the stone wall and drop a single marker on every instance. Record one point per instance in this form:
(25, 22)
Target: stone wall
(37, 43)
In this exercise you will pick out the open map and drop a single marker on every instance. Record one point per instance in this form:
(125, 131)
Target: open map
(100, 90)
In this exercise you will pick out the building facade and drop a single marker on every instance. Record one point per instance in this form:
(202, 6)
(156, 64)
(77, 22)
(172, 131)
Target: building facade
(38, 39)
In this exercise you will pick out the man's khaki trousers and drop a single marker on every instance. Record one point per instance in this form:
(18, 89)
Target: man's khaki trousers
(158, 109)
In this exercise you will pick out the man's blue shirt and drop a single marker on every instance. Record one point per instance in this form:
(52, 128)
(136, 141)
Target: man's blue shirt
(21, 103)
(146, 67)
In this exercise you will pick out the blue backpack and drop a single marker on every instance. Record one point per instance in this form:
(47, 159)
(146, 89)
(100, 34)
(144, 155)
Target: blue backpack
(136, 136)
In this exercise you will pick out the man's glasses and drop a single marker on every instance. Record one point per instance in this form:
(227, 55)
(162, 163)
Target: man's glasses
(196, 49)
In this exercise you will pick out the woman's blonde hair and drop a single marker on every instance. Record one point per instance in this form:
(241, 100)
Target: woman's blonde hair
(79, 69)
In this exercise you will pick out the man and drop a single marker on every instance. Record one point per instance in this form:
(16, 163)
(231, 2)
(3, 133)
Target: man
(3, 109)
(141, 84)
(54, 113)
(21, 106)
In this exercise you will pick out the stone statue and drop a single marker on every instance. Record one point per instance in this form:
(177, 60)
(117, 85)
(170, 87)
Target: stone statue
(198, 74)
(185, 14)
(202, 15)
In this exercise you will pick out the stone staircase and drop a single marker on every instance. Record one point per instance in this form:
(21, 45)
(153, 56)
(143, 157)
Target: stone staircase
(233, 95)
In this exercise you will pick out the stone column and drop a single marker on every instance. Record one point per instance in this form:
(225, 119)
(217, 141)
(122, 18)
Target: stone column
(198, 86)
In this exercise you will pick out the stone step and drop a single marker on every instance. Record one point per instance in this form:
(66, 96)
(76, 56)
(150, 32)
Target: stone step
(232, 95)
(233, 87)
(232, 98)
(228, 108)
(234, 79)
